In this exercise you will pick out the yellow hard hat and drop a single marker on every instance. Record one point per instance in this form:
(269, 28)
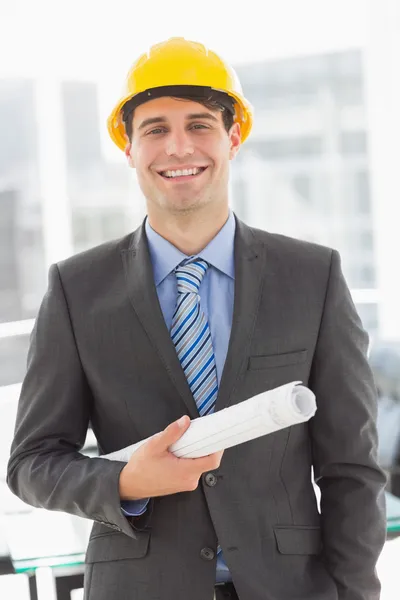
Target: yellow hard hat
(179, 62)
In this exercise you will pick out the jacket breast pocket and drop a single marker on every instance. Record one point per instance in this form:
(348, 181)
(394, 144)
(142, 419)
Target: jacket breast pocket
(273, 361)
(113, 546)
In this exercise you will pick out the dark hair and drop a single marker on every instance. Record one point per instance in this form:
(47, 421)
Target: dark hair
(211, 99)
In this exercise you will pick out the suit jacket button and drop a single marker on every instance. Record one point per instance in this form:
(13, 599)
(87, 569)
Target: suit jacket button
(210, 479)
(207, 554)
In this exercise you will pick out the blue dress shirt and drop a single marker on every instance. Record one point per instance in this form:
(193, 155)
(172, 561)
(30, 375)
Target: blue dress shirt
(216, 299)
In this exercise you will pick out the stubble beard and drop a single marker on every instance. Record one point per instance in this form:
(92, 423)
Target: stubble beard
(185, 205)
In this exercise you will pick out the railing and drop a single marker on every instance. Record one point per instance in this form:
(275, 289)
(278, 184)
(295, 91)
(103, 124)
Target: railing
(14, 328)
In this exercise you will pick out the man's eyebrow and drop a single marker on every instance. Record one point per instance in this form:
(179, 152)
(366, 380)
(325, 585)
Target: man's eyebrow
(151, 121)
(190, 117)
(205, 115)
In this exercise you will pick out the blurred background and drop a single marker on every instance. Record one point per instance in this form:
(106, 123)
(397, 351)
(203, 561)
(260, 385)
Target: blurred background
(322, 164)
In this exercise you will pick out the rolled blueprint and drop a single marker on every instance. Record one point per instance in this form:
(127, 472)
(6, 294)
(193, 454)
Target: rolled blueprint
(265, 413)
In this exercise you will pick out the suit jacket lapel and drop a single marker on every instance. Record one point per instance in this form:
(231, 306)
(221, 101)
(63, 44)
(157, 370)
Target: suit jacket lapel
(143, 296)
(249, 277)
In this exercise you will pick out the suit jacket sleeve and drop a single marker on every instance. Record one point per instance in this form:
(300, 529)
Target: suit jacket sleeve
(46, 468)
(344, 441)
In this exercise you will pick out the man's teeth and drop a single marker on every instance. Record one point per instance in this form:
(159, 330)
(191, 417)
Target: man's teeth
(181, 173)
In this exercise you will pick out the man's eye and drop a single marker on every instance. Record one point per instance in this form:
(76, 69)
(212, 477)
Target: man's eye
(199, 126)
(155, 131)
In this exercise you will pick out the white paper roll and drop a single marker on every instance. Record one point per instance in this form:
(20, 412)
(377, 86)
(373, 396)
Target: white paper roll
(265, 413)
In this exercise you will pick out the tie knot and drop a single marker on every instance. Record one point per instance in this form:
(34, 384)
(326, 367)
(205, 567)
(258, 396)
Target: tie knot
(189, 275)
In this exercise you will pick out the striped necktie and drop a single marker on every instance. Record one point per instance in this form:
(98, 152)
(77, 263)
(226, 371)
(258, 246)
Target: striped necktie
(191, 335)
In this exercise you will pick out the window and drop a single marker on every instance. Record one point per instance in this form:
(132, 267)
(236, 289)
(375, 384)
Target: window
(369, 316)
(239, 197)
(354, 142)
(366, 241)
(362, 191)
(302, 185)
(287, 148)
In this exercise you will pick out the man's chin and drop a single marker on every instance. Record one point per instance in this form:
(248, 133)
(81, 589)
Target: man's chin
(184, 204)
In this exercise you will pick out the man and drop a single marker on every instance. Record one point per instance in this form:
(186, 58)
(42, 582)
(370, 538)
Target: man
(191, 313)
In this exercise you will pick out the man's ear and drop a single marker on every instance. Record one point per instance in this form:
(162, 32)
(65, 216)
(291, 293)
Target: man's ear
(128, 155)
(235, 140)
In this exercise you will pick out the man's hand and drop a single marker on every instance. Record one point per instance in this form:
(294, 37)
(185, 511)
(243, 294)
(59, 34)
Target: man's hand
(154, 471)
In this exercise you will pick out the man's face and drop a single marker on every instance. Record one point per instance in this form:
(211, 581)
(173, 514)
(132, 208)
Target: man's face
(181, 152)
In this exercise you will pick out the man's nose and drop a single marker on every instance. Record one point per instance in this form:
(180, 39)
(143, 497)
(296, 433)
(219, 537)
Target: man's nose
(179, 144)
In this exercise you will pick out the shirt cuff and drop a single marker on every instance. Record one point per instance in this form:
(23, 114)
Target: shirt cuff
(134, 508)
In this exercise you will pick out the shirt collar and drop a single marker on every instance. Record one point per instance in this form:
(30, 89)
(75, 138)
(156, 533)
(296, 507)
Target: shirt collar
(219, 253)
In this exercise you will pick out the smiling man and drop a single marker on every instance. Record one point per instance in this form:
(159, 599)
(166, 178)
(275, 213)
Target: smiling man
(191, 313)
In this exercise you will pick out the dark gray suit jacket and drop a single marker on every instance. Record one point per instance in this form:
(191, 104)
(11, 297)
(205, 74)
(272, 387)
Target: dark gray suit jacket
(100, 352)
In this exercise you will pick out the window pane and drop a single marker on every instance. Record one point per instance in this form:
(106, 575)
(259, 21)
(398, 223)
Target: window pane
(22, 270)
(354, 142)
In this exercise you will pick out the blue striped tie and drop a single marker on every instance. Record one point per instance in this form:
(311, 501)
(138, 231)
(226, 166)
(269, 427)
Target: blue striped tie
(191, 335)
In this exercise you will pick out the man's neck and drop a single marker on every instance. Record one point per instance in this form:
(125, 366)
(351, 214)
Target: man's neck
(192, 232)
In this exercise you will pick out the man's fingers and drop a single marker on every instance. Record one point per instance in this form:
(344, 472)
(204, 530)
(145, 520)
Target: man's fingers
(160, 442)
(210, 462)
(171, 434)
